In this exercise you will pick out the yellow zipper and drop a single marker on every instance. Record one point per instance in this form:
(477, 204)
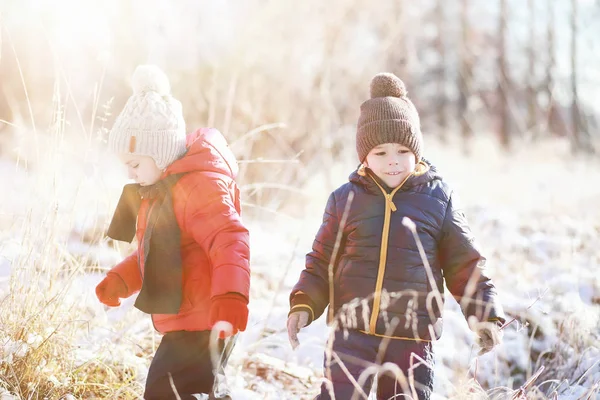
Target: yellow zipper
(389, 208)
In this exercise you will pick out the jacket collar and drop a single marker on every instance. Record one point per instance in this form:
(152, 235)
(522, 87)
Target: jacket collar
(424, 172)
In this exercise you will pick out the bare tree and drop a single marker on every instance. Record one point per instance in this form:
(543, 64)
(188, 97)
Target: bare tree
(550, 63)
(465, 73)
(442, 99)
(576, 131)
(503, 81)
(531, 81)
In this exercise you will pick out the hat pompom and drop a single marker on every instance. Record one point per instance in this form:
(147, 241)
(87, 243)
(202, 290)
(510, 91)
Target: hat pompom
(387, 84)
(148, 78)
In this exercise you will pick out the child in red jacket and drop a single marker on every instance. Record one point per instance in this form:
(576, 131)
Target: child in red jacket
(191, 267)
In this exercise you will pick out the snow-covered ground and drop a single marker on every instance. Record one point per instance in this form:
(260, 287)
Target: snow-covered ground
(535, 213)
(535, 210)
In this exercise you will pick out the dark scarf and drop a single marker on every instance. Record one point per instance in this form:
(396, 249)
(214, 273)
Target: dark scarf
(162, 289)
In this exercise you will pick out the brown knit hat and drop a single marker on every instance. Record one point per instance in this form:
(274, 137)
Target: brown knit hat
(388, 117)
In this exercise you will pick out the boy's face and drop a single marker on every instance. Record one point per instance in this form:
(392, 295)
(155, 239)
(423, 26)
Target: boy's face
(391, 162)
(142, 169)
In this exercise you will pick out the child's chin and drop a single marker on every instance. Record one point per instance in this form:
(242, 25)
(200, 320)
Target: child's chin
(393, 183)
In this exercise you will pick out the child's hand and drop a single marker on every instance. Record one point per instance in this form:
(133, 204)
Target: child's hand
(231, 308)
(296, 321)
(111, 289)
(490, 335)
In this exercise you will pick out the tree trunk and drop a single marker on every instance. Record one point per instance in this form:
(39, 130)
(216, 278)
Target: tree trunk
(532, 124)
(550, 65)
(503, 82)
(464, 79)
(442, 98)
(576, 132)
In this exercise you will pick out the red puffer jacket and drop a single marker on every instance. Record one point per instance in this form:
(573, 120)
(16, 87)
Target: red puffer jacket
(214, 242)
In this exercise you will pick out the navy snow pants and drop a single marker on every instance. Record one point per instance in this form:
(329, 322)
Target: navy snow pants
(359, 351)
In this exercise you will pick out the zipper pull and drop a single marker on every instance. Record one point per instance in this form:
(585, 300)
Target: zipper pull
(388, 197)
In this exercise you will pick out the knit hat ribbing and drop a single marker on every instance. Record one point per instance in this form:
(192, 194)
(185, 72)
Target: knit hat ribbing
(151, 123)
(388, 117)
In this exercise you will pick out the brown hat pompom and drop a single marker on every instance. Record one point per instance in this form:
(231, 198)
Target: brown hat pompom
(387, 84)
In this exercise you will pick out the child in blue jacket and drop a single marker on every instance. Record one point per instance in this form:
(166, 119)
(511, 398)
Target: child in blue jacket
(384, 300)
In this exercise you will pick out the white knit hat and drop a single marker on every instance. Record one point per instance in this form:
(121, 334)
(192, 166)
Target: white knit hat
(151, 123)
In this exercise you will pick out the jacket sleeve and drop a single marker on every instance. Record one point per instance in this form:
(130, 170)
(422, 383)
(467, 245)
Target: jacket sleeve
(311, 293)
(463, 268)
(129, 272)
(212, 219)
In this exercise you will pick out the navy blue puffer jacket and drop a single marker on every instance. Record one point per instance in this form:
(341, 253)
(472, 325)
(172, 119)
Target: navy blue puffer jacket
(380, 283)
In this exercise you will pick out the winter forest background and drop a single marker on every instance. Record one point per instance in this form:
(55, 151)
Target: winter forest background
(507, 91)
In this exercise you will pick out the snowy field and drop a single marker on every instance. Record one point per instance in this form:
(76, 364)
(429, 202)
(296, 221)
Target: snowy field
(535, 211)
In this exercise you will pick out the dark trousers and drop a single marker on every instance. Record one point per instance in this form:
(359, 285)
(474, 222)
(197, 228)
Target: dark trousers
(358, 351)
(185, 358)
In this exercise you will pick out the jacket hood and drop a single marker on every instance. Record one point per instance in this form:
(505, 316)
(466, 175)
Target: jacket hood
(424, 172)
(207, 150)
